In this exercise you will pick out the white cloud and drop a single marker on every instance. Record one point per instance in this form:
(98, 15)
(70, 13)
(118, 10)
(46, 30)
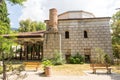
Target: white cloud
(39, 9)
(33, 9)
(98, 7)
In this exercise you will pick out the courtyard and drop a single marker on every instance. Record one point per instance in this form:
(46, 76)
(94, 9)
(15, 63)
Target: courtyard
(66, 72)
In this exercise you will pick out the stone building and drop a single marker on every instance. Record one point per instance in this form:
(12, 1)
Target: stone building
(69, 33)
(76, 31)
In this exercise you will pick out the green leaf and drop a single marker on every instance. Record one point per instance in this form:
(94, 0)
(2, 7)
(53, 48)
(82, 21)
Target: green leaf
(17, 1)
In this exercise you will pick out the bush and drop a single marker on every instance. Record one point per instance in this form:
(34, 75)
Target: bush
(116, 50)
(102, 57)
(107, 59)
(47, 63)
(77, 59)
(57, 60)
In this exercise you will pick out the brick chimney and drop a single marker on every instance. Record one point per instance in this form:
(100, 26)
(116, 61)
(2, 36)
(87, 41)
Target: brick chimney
(53, 20)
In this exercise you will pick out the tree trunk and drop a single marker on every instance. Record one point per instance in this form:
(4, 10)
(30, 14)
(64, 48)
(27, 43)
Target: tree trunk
(4, 67)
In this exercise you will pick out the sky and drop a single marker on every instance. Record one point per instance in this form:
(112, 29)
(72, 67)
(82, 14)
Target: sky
(38, 10)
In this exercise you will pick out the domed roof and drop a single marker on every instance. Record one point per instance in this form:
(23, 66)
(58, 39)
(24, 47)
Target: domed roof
(76, 14)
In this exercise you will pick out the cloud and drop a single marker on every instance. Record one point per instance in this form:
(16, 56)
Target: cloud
(39, 9)
(33, 9)
(97, 7)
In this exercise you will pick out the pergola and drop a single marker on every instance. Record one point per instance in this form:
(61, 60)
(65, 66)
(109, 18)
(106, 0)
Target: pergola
(30, 45)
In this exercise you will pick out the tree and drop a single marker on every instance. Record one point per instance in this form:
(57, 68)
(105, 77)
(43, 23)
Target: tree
(5, 52)
(17, 1)
(5, 43)
(24, 26)
(4, 15)
(116, 34)
(30, 26)
(41, 26)
(4, 20)
(4, 28)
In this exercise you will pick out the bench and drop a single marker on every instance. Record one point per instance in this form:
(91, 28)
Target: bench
(31, 65)
(100, 66)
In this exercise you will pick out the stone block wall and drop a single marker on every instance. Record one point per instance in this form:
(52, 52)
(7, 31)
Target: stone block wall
(98, 31)
(51, 43)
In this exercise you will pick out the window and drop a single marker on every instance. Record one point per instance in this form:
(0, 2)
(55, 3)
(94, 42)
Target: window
(67, 34)
(67, 55)
(85, 34)
(87, 54)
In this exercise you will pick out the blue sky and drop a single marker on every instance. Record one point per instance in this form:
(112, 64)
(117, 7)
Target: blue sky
(14, 14)
(38, 10)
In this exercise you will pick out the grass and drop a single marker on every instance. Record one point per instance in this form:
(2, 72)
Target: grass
(76, 69)
(70, 69)
(66, 69)
(115, 69)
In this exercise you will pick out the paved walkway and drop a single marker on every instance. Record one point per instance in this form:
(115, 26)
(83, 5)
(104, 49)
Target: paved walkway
(31, 75)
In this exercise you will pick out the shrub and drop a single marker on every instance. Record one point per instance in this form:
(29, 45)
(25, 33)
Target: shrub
(47, 63)
(107, 59)
(77, 59)
(102, 57)
(57, 59)
(116, 50)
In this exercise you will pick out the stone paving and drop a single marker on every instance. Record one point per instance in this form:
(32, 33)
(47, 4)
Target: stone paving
(31, 75)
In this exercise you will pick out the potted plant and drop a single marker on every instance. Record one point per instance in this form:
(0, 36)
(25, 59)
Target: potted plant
(47, 67)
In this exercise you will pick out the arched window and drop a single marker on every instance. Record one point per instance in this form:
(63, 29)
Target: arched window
(85, 34)
(67, 34)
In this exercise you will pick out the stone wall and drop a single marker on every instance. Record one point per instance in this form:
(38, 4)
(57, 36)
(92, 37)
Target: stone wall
(98, 36)
(98, 31)
(51, 43)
